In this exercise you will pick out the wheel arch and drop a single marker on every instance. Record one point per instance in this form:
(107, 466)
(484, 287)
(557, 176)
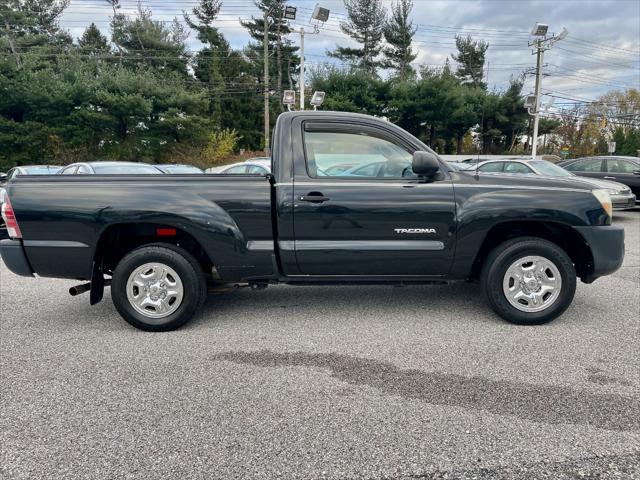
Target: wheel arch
(116, 240)
(558, 233)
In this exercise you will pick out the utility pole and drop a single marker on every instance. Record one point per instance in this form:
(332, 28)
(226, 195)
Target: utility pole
(542, 43)
(536, 112)
(267, 149)
(301, 68)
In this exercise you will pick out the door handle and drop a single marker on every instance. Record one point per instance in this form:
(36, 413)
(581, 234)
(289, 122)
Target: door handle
(313, 197)
(610, 178)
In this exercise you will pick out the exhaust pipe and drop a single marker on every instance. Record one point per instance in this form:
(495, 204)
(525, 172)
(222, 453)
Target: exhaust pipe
(85, 287)
(78, 289)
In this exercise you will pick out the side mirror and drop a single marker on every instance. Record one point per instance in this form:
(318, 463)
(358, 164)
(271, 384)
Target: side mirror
(425, 164)
(635, 172)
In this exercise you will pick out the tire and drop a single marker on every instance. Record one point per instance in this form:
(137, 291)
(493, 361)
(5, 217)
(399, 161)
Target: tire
(541, 298)
(158, 287)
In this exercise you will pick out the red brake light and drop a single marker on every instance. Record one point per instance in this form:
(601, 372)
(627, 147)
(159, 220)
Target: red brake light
(10, 218)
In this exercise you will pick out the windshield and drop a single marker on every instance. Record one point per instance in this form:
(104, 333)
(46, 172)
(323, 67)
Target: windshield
(123, 169)
(41, 170)
(549, 169)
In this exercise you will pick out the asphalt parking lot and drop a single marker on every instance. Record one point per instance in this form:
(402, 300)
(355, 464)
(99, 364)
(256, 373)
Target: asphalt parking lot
(333, 382)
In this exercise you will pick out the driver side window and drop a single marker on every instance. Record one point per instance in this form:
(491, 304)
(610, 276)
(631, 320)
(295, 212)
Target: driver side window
(356, 155)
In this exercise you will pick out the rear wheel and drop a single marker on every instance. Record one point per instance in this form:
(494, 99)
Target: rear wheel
(528, 281)
(158, 287)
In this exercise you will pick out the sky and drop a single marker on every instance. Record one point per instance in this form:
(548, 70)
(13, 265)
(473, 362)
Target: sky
(600, 53)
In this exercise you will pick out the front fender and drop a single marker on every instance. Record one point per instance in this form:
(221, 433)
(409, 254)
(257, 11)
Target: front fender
(481, 209)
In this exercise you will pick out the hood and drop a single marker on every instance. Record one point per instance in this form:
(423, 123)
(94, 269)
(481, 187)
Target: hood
(538, 181)
(595, 182)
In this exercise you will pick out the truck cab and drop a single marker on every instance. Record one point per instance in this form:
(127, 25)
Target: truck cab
(367, 219)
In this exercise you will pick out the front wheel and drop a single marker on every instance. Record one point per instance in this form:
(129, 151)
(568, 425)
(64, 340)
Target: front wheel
(528, 281)
(158, 288)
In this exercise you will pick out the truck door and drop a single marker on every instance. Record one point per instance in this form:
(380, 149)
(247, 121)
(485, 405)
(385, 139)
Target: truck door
(360, 211)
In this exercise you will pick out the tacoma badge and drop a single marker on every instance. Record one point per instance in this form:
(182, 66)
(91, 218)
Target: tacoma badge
(414, 230)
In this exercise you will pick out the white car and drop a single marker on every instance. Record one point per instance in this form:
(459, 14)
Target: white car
(258, 165)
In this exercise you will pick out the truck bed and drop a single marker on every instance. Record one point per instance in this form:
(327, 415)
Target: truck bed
(63, 218)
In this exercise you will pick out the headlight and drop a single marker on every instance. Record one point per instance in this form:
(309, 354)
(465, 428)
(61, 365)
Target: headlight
(611, 191)
(605, 200)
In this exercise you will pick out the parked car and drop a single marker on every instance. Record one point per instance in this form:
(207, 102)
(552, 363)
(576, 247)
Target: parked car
(164, 243)
(110, 168)
(339, 169)
(620, 169)
(621, 196)
(32, 170)
(179, 168)
(378, 169)
(260, 167)
(266, 160)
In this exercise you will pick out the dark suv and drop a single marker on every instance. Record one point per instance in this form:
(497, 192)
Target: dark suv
(619, 169)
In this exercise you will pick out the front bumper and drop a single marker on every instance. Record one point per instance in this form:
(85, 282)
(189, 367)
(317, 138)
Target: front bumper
(607, 248)
(14, 257)
(622, 202)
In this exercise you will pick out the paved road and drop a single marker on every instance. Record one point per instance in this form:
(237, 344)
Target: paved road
(334, 382)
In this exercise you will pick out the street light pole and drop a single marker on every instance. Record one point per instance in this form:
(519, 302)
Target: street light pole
(321, 15)
(536, 117)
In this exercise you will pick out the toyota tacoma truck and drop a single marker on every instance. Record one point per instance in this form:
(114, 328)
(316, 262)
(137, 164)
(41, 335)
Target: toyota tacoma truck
(351, 199)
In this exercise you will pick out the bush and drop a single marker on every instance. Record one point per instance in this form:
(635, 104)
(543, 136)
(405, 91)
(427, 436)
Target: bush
(220, 145)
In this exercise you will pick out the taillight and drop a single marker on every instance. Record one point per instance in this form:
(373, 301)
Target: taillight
(10, 217)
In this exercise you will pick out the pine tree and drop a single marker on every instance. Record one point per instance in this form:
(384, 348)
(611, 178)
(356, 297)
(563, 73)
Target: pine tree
(470, 58)
(209, 63)
(144, 39)
(399, 33)
(206, 14)
(365, 24)
(93, 42)
(27, 25)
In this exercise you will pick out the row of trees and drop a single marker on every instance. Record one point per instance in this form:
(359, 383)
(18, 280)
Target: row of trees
(139, 94)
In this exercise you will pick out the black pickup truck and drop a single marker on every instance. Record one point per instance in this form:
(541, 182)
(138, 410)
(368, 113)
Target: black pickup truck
(351, 199)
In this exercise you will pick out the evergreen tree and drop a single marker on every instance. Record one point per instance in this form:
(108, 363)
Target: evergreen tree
(228, 75)
(32, 26)
(144, 39)
(351, 91)
(209, 63)
(399, 33)
(516, 118)
(365, 24)
(93, 42)
(470, 58)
